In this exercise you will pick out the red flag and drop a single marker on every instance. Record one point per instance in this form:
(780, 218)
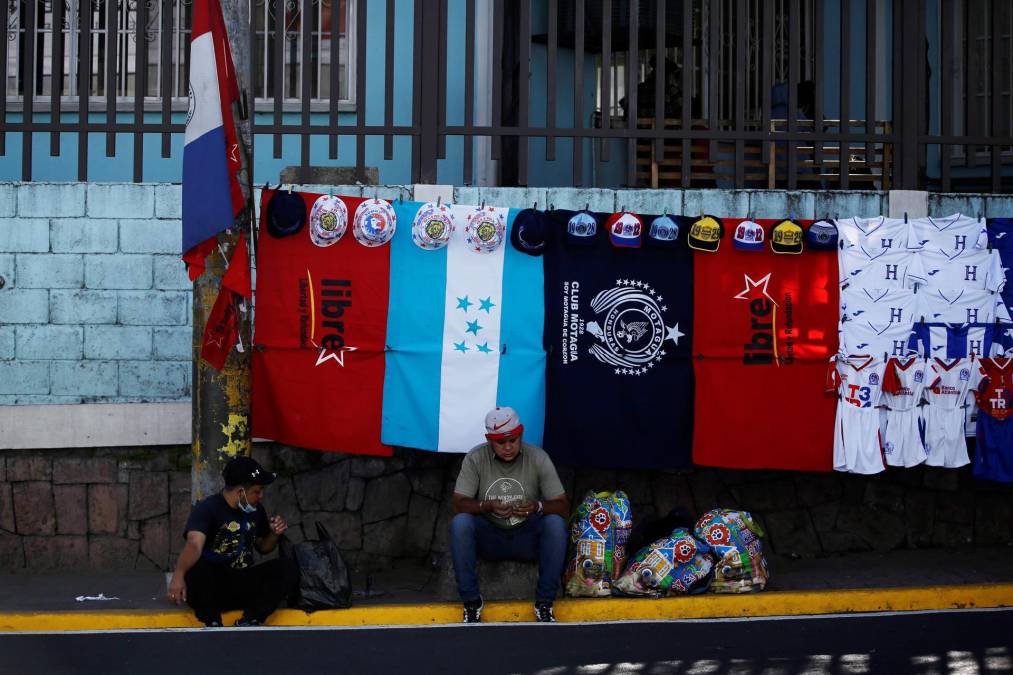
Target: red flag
(222, 329)
(320, 334)
(765, 327)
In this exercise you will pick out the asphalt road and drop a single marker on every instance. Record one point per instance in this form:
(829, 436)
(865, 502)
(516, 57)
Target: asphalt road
(964, 641)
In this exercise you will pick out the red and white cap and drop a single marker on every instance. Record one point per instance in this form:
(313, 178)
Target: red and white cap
(502, 423)
(625, 229)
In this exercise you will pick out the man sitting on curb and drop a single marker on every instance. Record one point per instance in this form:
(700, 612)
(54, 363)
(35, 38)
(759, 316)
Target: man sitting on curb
(510, 505)
(214, 572)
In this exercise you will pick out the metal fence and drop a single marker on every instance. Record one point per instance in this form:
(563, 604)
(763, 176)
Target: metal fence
(684, 93)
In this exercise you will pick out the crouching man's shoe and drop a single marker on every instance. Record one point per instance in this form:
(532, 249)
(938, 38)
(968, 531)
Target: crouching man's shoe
(473, 611)
(543, 612)
(243, 622)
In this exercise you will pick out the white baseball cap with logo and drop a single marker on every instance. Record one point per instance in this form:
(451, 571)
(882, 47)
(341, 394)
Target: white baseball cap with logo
(502, 423)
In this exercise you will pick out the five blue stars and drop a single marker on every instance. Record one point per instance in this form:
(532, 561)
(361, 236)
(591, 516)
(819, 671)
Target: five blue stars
(460, 346)
(464, 303)
(486, 304)
(473, 327)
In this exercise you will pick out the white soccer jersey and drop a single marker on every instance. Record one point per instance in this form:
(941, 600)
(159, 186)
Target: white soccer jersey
(879, 305)
(903, 427)
(974, 268)
(959, 305)
(857, 447)
(873, 233)
(865, 337)
(953, 233)
(946, 396)
(862, 267)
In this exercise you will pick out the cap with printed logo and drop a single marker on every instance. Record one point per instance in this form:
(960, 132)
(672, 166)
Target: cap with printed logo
(328, 220)
(582, 229)
(286, 214)
(822, 236)
(528, 232)
(625, 229)
(705, 234)
(245, 470)
(749, 236)
(502, 423)
(485, 230)
(786, 237)
(374, 223)
(663, 231)
(432, 226)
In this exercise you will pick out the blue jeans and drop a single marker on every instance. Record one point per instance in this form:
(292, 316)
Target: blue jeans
(540, 537)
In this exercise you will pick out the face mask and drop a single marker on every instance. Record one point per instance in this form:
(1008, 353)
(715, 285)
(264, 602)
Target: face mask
(244, 504)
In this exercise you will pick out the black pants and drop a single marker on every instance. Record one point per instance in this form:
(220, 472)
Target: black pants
(257, 590)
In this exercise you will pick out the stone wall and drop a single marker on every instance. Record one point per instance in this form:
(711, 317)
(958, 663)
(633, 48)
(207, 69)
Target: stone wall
(116, 509)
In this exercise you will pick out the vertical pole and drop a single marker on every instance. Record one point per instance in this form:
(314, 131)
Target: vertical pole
(221, 400)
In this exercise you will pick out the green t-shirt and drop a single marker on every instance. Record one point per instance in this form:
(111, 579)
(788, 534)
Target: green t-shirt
(530, 477)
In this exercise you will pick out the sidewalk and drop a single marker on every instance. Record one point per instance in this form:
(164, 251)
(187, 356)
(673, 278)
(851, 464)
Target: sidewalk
(900, 580)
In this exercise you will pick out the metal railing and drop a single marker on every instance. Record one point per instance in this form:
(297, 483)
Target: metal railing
(682, 93)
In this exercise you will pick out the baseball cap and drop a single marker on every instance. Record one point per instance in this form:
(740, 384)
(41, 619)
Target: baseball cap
(624, 229)
(485, 230)
(432, 226)
(664, 231)
(786, 237)
(749, 236)
(374, 223)
(502, 423)
(286, 214)
(245, 470)
(582, 229)
(822, 236)
(706, 233)
(328, 220)
(528, 232)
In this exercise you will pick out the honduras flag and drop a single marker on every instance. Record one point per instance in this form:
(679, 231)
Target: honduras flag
(211, 193)
(464, 334)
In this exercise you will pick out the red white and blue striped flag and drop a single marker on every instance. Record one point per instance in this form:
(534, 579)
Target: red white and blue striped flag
(211, 193)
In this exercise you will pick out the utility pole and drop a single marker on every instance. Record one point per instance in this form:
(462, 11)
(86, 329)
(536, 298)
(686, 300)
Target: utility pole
(221, 400)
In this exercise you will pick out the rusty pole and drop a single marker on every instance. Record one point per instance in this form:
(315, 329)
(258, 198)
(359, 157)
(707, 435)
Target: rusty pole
(221, 400)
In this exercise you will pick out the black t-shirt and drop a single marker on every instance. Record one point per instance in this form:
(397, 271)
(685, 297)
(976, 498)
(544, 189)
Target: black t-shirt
(230, 532)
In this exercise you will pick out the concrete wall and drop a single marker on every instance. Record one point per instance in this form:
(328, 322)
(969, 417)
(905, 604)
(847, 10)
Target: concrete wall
(126, 508)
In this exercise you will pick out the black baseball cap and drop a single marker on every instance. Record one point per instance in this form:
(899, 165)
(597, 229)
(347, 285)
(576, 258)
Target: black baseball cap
(528, 232)
(246, 471)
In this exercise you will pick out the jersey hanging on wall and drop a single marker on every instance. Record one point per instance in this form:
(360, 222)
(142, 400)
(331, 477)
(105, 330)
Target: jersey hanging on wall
(320, 330)
(618, 329)
(765, 328)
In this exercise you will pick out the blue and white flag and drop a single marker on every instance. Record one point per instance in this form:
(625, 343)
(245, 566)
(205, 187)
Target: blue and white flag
(211, 192)
(464, 334)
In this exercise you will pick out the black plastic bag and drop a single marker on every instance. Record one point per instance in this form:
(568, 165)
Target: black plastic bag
(323, 576)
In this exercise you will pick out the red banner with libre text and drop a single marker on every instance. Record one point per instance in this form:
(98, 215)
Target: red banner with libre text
(321, 326)
(765, 329)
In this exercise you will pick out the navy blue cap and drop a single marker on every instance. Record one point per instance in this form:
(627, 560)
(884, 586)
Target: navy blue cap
(286, 214)
(528, 232)
(822, 236)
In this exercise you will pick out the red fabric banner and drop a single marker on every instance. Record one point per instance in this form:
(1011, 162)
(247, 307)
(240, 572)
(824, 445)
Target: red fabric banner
(222, 329)
(320, 331)
(765, 328)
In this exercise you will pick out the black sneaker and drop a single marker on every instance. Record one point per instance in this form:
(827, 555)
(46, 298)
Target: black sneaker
(473, 611)
(543, 612)
(213, 624)
(243, 622)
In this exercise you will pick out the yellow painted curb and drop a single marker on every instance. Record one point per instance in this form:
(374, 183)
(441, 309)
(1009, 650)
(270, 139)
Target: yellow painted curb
(774, 603)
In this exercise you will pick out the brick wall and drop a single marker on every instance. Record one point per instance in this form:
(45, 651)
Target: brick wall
(96, 303)
(121, 509)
